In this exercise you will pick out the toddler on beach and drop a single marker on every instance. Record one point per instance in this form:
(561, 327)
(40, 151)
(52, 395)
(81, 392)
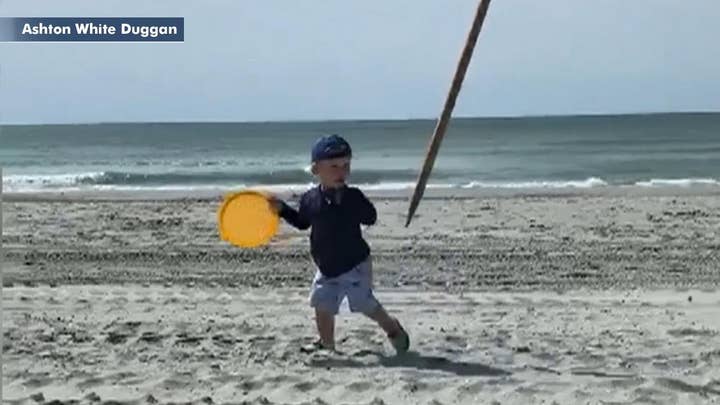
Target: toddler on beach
(342, 257)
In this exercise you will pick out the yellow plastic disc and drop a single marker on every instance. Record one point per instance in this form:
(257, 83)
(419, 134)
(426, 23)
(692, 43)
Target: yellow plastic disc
(246, 219)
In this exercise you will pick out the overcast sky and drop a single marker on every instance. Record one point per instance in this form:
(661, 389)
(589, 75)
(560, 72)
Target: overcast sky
(264, 60)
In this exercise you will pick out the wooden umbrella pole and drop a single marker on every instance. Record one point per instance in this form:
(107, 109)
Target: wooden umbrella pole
(447, 110)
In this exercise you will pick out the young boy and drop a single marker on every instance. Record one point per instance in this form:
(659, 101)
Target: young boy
(335, 212)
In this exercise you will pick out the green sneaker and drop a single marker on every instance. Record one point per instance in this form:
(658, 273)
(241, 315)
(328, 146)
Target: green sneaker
(400, 340)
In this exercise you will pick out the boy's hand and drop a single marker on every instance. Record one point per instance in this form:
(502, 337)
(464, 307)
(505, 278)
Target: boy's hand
(275, 203)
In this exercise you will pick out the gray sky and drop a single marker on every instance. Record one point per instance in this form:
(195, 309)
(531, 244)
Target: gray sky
(263, 60)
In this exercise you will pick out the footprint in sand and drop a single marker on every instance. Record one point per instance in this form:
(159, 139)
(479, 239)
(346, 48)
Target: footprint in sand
(457, 341)
(117, 337)
(249, 385)
(283, 378)
(305, 386)
(93, 397)
(178, 381)
(360, 386)
(151, 337)
(225, 378)
(38, 381)
(676, 363)
(316, 401)
(263, 343)
(365, 335)
(365, 353)
(471, 389)
(624, 383)
(653, 396)
(224, 340)
(39, 397)
(683, 332)
(91, 382)
(126, 377)
(599, 372)
(184, 338)
(415, 386)
(119, 332)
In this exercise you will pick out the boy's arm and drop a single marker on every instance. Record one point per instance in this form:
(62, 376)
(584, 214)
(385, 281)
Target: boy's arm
(365, 210)
(370, 276)
(297, 218)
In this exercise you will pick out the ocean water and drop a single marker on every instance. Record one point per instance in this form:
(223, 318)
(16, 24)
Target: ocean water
(551, 152)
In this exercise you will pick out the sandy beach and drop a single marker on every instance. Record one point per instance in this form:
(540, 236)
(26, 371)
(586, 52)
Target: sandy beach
(585, 298)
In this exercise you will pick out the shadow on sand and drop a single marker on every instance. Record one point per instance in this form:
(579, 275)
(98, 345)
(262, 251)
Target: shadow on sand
(411, 360)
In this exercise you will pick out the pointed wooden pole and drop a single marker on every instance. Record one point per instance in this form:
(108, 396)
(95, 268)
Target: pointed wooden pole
(447, 110)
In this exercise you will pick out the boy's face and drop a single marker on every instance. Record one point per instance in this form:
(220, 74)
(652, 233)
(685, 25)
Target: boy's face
(332, 172)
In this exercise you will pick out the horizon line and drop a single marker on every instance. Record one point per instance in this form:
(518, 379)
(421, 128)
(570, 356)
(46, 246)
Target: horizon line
(300, 121)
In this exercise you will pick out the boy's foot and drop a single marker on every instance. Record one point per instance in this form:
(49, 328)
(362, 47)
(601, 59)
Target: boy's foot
(315, 346)
(399, 339)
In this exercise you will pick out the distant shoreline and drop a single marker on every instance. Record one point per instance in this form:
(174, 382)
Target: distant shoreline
(385, 195)
(377, 120)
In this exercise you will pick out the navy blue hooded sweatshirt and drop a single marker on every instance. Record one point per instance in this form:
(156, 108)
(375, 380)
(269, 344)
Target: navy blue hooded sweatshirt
(336, 241)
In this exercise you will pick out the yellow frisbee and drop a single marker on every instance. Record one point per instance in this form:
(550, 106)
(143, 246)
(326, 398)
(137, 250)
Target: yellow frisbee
(246, 219)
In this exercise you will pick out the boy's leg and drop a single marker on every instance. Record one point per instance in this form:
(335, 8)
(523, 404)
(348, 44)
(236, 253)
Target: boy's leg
(325, 299)
(325, 322)
(362, 299)
(389, 324)
(392, 327)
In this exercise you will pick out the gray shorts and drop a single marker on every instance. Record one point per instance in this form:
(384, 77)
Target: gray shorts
(327, 293)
